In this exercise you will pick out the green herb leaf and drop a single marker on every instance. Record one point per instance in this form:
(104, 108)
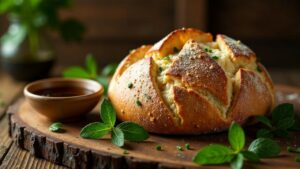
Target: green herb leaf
(187, 146)
(264, 147)
(281, 112)
(293, 149)
(236, 137)
(297, 159)
(91, 65)
(108, 114)
(285, 123)
(158, 147)
(76, 72)
(109, 69)
(133, 131)
(264, 133)
(95, 130)
(214, 154)
(251, 156)
(264, 120)
(237, 162)
(55, 127)
(117, 137)
(281, 133)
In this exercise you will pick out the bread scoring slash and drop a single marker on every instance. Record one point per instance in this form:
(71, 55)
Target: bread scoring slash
(189, 84)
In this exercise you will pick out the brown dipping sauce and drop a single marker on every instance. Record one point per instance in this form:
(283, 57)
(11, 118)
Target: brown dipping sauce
(63, 92)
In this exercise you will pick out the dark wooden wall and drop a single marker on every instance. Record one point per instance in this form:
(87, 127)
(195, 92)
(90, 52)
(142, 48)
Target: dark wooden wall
(270, 27)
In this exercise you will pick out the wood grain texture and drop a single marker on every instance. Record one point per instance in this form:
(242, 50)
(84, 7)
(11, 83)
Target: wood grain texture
(9, 88)
(5, 141)
(72, 151)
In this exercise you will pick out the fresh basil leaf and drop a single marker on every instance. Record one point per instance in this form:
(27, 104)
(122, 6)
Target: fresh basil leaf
(104, 82)
(264, 133)
(117, 137)
(55, 127)
(264, 147)
(285, 123)
(133, 131)
(91, 65)
(282, 111)
(108, 114)
(214, 154)
(109, 69)
(236, 137)
(237, 162)
(293, 149)
(264, 120)
(77, 72)
(95, 130)
(251, 156)
(281, 133)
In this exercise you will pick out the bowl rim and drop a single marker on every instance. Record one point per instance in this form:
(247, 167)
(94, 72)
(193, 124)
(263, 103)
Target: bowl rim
(99, 90)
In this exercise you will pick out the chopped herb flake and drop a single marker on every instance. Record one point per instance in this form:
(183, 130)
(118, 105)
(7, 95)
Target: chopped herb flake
(166, 58)
(179, 148)
(158, 147)
(139, 103)
(187, 146)
(130, 85)
(175, 50)
(258, 69)
(215, 57)
(160, 69)
(147, 96)
(125, 152)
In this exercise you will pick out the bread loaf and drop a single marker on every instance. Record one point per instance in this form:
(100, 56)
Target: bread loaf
(189, 84)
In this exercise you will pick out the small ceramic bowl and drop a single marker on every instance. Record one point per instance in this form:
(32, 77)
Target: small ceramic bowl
(62, 99)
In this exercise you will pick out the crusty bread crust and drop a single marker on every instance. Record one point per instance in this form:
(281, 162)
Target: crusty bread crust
(201, 87)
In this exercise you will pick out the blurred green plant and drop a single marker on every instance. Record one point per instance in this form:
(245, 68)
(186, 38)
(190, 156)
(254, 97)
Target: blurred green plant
(90, 71)
(31, 16)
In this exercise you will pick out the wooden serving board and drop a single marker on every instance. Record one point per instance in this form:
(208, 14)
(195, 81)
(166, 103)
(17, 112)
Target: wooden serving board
(30, 131)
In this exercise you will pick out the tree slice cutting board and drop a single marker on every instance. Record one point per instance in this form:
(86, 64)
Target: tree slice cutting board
(30, 131)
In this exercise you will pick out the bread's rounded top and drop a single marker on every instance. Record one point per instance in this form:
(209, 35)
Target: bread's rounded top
(217, 75)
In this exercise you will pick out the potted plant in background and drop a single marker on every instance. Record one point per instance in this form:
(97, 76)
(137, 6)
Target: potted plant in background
(25, 49)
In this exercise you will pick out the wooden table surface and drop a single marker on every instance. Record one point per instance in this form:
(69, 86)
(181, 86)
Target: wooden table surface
(12, 157)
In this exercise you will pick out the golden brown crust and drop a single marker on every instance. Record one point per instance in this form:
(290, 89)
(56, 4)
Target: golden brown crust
(151, 112)
(177, 39)
(199, 71)
(194, 91)
(237, 50)
(198, 115)
(252, 97)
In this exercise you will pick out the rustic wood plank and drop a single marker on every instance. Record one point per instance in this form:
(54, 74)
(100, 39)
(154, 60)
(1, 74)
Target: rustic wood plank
(72, 151)
(5, 141)
(21, 159)
(9, 89)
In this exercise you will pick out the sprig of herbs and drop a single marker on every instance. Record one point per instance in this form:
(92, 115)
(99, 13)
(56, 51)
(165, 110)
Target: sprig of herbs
(281, 122)
(55, 127)
(235, 155)
(124, 131)
(90, 71)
